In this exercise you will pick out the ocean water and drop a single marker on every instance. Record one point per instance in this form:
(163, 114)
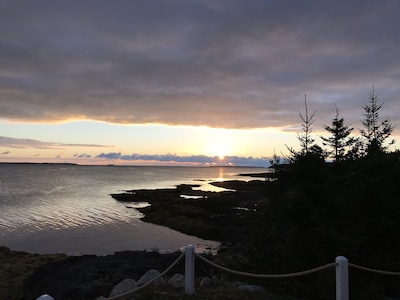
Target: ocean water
(48, 208)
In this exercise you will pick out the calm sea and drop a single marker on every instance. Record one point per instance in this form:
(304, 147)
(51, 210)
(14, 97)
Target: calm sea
(48, 208)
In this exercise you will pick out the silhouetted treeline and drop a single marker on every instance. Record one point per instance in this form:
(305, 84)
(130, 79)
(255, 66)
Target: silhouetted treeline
(317, 210)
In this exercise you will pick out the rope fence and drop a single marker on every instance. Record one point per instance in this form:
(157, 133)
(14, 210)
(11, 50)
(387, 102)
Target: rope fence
(341, 265)
(390, 273)
(268, 276)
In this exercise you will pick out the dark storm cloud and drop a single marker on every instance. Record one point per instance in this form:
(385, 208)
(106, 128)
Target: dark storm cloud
(31, 143)
(198, 159)
(237, 64)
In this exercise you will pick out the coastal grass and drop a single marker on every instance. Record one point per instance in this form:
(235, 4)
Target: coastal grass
(212, 293)
(17, 266)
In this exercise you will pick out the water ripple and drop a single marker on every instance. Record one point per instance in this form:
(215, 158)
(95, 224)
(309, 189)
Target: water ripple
(69, 208)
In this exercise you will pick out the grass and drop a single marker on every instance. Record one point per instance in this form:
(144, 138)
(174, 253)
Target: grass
(17, 266)
(227, 292)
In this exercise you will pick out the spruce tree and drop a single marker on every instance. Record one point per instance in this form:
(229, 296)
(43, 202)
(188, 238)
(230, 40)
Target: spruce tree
(340, 137)
(375, 131)
(305, 139)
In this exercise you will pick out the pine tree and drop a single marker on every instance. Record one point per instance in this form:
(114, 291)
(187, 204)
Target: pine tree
(376, 131)
(305, 139)
(340, 137)
(309, 150)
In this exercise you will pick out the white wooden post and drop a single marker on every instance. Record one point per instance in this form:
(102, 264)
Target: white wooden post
(342, 278)
(189, 270)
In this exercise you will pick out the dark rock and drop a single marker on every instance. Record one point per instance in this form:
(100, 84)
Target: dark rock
(123, 287)
(177, 281)
(206, 281)
(150, 275)
(208, 215)
(89, 276)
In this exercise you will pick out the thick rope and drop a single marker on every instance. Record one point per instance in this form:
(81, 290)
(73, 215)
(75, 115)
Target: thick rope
(130, 293)
(324, 267)
(374, 270)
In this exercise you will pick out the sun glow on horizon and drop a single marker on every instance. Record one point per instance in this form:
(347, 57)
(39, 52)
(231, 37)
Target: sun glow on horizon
(219, 150)
(92, 142)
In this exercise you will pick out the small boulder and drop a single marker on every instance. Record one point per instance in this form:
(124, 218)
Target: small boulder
(177, 281)
(215, 280)
(149, 276)
(124, 286)
(206, 281)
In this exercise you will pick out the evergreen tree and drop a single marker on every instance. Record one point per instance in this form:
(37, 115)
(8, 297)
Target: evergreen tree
(340, 138)
(305, 139)
(376, 131)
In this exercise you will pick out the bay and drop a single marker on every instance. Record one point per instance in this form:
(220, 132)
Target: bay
(49, 208)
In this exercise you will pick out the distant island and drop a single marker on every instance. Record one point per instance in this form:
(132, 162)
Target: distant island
(37, 163)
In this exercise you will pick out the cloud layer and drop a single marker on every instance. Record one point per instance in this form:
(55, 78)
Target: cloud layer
(228, 63)
(192, 159)
(36, 144)
(111, 157)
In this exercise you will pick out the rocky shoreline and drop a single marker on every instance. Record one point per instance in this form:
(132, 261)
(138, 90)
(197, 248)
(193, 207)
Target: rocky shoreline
(221, 216)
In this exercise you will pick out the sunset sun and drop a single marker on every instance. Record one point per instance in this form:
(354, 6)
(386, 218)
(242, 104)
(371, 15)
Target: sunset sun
(219, 150)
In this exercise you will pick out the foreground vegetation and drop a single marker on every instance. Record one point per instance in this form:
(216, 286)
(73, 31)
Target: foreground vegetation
(318, 210)
(17, 266)
(229, 291)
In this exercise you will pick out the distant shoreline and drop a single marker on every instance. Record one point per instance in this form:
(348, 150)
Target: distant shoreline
(118, 165)
(36, 163)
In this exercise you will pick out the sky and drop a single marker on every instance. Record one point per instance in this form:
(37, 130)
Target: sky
(188, 82)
